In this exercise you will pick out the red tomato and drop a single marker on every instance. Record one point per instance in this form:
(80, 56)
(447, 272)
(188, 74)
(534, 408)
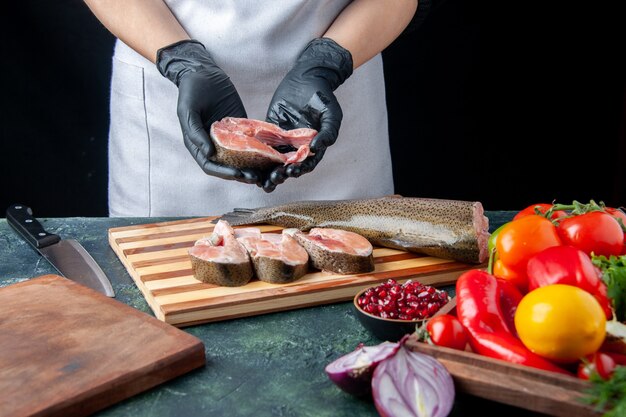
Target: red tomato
(617, 213)
(520, 239)
(447, 330)
(601, 363)
(543, 207)
(595, 232)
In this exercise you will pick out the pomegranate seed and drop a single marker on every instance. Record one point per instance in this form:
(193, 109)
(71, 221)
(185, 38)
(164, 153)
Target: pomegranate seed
(409, 301)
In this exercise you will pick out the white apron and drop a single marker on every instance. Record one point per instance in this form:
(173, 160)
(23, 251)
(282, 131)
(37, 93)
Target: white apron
(151, 173)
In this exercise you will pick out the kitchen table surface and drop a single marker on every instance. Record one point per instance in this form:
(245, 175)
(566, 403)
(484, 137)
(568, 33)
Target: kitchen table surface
(267, 365)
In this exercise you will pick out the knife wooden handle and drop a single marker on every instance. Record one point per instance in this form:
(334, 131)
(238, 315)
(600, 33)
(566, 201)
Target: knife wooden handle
(21, 219)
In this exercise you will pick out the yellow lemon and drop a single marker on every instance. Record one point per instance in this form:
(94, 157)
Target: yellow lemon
(560, 322)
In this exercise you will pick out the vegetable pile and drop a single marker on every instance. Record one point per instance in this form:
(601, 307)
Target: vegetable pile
(554, 296)
(403, 382)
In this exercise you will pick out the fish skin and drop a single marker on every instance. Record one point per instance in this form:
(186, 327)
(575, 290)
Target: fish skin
(275, 271)
(222, 274)
(242, 160)
(449, 229)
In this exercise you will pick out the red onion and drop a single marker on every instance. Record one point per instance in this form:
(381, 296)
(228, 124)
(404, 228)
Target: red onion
(353, 372)
(411, 384)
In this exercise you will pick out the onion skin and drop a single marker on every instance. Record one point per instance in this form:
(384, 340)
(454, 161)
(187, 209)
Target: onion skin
(411, 384)
(353, 372)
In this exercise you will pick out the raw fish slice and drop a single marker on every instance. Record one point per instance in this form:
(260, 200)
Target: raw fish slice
(220, 259)
(277, 258)
(247, 231)
(271, 134)
(246, 143)
(337, 251)
(298, 156)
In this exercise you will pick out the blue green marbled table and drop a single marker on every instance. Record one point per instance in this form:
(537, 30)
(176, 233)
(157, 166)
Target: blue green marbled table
(268, 365)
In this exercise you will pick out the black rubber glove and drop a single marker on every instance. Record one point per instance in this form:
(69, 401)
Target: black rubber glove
(205, 95)
(305, 98)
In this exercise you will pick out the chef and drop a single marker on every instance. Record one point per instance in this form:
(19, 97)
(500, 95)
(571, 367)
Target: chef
(180, 65)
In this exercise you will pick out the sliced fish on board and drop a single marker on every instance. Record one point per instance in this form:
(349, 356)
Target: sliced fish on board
(277, 258)
(336, 250)
(220, 259)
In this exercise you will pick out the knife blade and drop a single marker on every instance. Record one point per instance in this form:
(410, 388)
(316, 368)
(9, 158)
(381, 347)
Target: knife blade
(66, 255)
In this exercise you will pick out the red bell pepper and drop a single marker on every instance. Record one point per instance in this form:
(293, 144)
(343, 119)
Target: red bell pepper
(480, 310)
(570, 266)
(510, 296)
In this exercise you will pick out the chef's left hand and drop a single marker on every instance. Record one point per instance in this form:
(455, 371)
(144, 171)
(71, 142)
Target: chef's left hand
(305, 98)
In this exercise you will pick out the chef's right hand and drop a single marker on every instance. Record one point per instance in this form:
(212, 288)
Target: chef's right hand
(305, 98)
(205, 95)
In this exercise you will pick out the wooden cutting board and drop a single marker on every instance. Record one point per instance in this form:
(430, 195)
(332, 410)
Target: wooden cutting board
(155, 256)
(66, 350)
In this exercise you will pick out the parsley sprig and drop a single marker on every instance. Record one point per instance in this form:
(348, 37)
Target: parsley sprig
(614, 276)
(609, 394)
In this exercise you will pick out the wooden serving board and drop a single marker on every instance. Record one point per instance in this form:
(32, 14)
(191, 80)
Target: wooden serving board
(66, 350)
(518, 385)
(156, 257)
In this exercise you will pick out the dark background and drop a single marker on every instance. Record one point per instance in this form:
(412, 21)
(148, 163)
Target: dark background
(507, 103)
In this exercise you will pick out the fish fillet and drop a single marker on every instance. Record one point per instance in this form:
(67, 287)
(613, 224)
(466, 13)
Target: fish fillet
(449, 229)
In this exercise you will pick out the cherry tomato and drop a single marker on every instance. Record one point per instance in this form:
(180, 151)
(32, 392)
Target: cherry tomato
(447, 330)
(599, 362)
(596, 232)
(543, 207)
(619, 358)
(523, 238)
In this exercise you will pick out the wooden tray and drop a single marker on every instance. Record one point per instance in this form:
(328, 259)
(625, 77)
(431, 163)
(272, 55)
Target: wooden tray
(66, 350)
(155, 256)
(517, 385)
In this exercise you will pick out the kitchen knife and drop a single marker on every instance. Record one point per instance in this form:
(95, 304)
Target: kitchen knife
(66, 255)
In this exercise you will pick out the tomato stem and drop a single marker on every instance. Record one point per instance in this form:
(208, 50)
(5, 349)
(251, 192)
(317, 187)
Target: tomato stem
(574, 209)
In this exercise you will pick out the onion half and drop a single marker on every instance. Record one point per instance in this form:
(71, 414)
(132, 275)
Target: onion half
(353, 372)
(411, 384)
